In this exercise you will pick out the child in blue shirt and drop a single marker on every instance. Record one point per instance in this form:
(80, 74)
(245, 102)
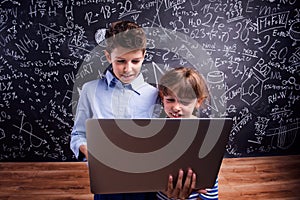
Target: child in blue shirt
(121, 93)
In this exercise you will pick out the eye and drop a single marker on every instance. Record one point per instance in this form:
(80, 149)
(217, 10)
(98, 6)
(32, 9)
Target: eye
(135, 61)
(120, 61)
(185, 103)
(170, 100)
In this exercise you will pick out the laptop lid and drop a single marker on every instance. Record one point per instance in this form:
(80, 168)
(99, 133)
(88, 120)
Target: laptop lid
(138, 155)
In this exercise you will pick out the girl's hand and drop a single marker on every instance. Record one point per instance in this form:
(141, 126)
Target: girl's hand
(182, 190)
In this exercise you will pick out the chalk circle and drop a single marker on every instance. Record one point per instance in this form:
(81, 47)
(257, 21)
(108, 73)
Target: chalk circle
(215, 77)
(295, 31)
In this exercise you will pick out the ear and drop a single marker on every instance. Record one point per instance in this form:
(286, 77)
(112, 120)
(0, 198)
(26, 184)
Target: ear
(107, 55)
(161, 98)
(199, 102)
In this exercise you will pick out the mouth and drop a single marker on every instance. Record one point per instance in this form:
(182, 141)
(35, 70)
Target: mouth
(127, 76)
(176, 115)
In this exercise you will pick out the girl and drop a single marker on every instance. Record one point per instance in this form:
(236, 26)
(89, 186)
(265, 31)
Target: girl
(183, 91)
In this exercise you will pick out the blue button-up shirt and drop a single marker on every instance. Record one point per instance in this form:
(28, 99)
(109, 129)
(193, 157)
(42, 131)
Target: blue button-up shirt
(110, 98)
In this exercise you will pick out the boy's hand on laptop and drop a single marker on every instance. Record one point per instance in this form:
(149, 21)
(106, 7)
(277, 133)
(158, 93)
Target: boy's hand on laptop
(83, 149)
(182, 190)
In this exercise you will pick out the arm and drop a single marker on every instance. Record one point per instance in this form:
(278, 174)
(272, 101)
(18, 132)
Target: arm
(78, 136)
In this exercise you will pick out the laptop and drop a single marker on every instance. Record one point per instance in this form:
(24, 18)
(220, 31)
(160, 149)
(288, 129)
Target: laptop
(138, 155)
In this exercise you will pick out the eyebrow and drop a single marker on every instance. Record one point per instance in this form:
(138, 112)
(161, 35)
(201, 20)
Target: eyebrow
(131, 59)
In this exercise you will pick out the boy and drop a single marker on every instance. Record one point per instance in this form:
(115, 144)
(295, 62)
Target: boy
(122, 93)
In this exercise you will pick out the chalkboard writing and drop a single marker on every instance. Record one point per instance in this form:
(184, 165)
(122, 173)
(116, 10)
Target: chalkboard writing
(248, 51)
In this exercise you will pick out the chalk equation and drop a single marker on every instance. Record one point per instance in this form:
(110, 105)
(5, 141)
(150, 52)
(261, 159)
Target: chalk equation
(248, 52)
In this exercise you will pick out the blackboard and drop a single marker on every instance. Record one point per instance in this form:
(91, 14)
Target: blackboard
(248, 51)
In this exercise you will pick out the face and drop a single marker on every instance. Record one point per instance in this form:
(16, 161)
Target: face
(126, 64)
(180, 108)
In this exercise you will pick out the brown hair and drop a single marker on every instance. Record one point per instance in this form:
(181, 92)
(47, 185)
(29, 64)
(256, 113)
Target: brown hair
(125, 34)
(184, 82)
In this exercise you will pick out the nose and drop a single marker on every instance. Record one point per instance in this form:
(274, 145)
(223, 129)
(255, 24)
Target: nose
(176, 106)
(127, 67)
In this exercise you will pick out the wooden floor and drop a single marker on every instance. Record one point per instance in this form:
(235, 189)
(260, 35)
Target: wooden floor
(276, 177)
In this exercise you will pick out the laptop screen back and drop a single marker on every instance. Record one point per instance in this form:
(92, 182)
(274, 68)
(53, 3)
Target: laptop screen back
(138, 155)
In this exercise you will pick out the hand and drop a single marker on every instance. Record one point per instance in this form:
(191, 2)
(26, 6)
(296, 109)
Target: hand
(83, 149)
(182, 191)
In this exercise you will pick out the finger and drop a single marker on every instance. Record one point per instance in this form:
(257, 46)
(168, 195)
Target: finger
(170, 183)
(193, 184)
(187, 183)
(186, 190)
(170, 186)
(202, 191)
(178, 186)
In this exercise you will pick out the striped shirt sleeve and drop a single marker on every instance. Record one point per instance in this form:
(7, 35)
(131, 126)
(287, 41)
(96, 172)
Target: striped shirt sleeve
(212, 193)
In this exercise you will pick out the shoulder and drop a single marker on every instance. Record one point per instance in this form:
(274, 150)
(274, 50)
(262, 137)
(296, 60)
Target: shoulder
(148, 91)
(92, 84)
(90, 87)
(142, 86)
(148, 87)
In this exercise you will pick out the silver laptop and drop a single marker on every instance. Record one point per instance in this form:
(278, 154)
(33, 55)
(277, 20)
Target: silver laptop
(138, 155)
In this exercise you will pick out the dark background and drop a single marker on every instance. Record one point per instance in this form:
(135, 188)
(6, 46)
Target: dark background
(248, 52)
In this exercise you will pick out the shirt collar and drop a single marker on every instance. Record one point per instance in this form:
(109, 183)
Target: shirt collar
(135, 85)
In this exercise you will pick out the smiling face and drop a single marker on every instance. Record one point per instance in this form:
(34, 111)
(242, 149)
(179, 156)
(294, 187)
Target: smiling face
(125, 49)
(126, 64)
(180, 108)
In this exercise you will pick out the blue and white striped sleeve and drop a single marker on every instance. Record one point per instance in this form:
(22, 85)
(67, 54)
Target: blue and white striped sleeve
(212, 193)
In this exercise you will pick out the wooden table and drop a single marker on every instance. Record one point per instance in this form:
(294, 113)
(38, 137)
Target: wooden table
(273, 177)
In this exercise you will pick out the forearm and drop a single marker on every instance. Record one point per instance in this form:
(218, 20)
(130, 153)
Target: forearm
(78, 141)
